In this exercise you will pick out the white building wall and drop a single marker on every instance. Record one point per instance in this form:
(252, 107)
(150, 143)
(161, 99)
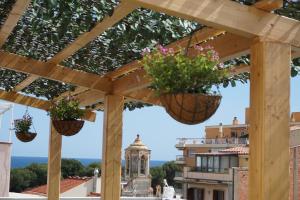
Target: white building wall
(83, 190)
(5, 157)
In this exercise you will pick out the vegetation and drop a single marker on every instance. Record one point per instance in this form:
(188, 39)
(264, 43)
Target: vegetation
(66, 109)
(23, 125)
(166, 171)
(178, 73)
(36, 174)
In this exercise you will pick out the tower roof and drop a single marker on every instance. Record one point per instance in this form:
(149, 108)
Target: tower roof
(137, 144)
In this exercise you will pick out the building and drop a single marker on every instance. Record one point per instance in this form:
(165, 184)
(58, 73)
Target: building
(137, 170)
(216, 167)
(72, 187)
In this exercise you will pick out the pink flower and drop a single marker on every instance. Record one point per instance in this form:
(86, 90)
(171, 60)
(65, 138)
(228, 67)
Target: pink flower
(199, 48)
(145, 51)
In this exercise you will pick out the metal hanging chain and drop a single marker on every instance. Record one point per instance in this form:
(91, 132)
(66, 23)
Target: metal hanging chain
(190, 40)
(27, 113)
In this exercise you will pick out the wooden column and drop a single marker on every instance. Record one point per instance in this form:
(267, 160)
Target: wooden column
(111, 148)
(269, 121)
(54, 163)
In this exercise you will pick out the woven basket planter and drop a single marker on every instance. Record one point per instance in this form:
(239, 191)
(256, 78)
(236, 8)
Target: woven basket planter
(68, 127)
(190, 108)
(25, 136)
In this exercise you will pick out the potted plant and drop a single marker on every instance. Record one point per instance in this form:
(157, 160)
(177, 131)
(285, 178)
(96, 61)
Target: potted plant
(22, 127)
(66, 115)
(187, 83)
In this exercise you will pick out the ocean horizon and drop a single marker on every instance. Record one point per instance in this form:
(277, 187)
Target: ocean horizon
(23, 161)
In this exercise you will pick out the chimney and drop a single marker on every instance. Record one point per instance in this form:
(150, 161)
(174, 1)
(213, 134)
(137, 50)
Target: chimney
(235, 121)
(221, 130)
(96, 173)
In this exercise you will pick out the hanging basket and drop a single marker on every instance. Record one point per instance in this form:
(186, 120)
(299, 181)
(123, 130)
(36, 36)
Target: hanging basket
(190, 108)
(68, 127)
(25, 136)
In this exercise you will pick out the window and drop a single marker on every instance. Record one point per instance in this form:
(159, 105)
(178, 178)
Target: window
(210, 163)
(216, 164)
(198, 162)
(234, 161)
(218, 195)
(224, 163)
(127, 165)
(143, 165)
(233, 134)
(204, 164)
(199, 194)
(191, 152)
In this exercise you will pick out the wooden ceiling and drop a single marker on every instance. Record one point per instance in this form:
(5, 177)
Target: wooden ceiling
(231, 37)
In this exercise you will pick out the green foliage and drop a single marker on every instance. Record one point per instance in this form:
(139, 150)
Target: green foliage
(66, 109)
(20, 179)
(158, 175)
(170, 168)
(40, 171)
(36, 174)
(71, 167)
(176, 72)
(23, 125)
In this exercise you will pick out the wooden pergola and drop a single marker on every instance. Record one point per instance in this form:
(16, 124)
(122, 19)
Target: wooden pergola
(232, 29)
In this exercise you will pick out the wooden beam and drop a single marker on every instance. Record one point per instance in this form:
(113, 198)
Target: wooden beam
(78, 90)
(198, 37)
(222, 14)
(112, 148)
(15, 14)
(30, 79)
(269, 121)
(268, 5)
(54, 164)
(54, 72)
(90, 97)
(36, 103)
(144, 95)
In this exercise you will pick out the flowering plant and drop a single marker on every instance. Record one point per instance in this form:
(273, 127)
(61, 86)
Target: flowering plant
(66, 109)
(23, 125)
(178, 73)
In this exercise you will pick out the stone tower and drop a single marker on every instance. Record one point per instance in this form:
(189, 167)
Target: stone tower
(137, 166)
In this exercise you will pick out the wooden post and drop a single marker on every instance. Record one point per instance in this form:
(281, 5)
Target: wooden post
(54, 163)
(111, 148)
(269, 121)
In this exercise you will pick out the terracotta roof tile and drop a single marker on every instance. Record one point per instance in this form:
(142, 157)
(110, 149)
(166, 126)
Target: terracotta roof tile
(65, 185)
(238, 150)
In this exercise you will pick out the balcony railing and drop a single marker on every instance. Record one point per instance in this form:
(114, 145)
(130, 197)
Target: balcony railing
(185, 141)
(178, 174)
(180, 158)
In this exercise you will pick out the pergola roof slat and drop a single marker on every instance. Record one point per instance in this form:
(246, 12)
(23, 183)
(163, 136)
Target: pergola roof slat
(240, 19)
(54, 72)
(268, 5)
(15, 14)
(36, 103)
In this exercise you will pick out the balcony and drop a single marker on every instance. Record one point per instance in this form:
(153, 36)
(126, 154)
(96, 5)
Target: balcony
(180, 159)
(178, 176)
(205, 142)
(224, 176)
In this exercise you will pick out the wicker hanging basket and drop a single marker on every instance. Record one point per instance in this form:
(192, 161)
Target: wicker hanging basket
(25, 136)
(68, 127)
(190, 108)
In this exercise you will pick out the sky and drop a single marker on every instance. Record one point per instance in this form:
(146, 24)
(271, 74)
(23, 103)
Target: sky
(156, 128)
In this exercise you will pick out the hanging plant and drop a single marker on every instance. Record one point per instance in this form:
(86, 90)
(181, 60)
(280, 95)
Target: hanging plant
(66, 115)
(22, 127)
(187, 84)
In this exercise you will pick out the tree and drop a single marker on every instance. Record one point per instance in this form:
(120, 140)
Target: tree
(20, 179)
(71, 167)
(40, 171)
(169, 169)
(158, 175)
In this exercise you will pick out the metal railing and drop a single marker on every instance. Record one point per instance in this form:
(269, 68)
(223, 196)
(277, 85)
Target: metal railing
(180, 158)
(184, 141)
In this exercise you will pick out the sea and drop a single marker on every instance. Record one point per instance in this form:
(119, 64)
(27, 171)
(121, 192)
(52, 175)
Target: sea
(20, 161)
